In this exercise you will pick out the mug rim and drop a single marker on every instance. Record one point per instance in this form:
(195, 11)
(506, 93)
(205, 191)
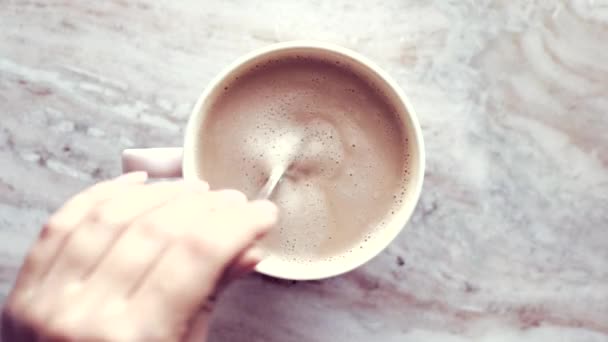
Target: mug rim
(197, 117)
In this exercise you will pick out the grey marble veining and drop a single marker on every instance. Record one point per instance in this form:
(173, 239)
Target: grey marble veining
(510, 239)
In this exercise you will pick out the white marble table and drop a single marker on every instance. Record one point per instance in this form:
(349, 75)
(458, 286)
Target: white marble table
(510, 239)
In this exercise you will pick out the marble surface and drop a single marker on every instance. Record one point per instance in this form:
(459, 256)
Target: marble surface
(510, 239)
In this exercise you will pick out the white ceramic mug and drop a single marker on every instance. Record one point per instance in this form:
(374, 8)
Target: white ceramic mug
(176, 162)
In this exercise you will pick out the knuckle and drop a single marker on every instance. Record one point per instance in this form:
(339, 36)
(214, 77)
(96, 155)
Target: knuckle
(77, 255)
(103, 332)
(63, 330)
(54, 227)
(100, 214)
(202, 247)
(13, 310)
(30, 317)
(150, 227)
(32, 261)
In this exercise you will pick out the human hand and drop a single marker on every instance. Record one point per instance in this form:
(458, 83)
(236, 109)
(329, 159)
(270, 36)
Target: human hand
(129, 261)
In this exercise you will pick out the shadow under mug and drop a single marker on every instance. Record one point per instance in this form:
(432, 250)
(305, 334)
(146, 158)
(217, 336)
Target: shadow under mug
(183, 162)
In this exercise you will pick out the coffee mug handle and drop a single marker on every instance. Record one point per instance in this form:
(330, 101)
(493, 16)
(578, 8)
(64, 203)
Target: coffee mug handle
(161, 162)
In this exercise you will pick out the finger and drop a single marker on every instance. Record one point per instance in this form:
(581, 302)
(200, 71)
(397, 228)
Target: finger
(243, 264)
(88, 244)
(75, 209)
(246, 262)
(198, 329)
(137, 249)
(229, 231)
(158, 162)
(195, 263)
(43, 253)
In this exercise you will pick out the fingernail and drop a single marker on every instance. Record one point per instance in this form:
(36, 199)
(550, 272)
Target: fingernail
(133, 177)
(265, 211)
(255, 255)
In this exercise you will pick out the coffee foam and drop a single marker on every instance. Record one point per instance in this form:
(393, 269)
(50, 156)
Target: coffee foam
(346, 149)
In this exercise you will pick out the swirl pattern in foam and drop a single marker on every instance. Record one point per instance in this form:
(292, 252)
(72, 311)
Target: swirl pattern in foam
(347, 171)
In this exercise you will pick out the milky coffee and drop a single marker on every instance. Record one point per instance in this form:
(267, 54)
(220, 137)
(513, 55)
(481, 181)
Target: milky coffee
(347, 176)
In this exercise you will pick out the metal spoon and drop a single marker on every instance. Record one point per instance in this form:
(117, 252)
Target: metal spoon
(290, 147)
(276, 175)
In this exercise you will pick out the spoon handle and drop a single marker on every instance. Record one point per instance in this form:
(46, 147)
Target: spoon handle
(275, 176)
